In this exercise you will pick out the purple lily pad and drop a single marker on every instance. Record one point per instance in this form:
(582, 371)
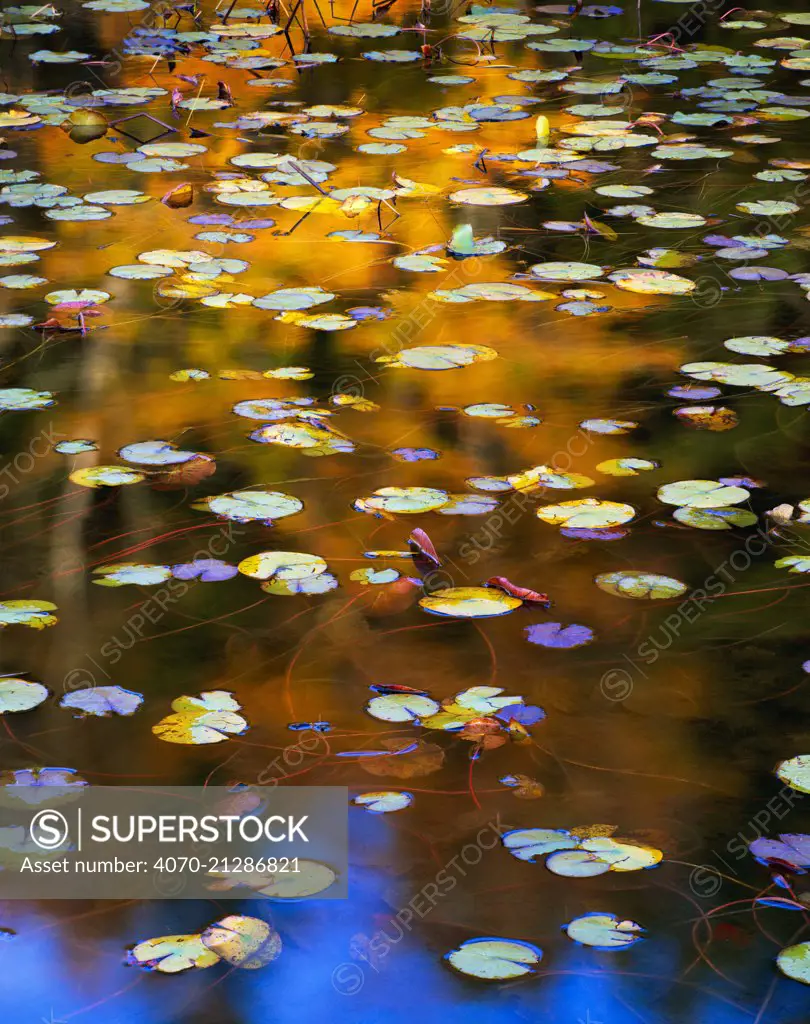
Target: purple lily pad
(692, 391)
(793, 850)
(741, 481)
(758, 274)
(525, 714)
(208, 570)
(554, 634)
(209, 219)
(414, 454)
(368, 313)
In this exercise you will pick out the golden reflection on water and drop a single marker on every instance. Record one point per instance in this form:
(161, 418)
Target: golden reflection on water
(681, 759)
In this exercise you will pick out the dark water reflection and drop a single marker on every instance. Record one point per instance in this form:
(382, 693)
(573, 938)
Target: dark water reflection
(684, 760)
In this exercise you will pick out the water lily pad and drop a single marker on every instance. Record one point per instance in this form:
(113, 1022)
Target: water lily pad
(155, 453)
(529, 843)
(34, 614)
(586, 513)
(491, 196)
(626, 466)
(140, 272)
(132, 573)
(171, 954)
(106, 476)
(244, 942)
(401, 707)
(323, 583)
(794, 962)
(470, 602)
(597, 426)
(603, 931)
(566, 271)
(254, 506)
(209, 718)
(102, 701)
(294, 298)
(23, 399)
(714, 518)
(707, 417)
(313, 439)
(21, 695)
(494, 959)
(793, 563)
(383, 802)
(640, 585)
(468, 505)
(758, 345)
(439, 357)
(795, 772)
(554, 634)
(701, 494)
(769, 207)
(408, 500)
(671, 220)
(24, 243)
(651, 282)
(284, 565)
(546, 476)
(207, 570)
(117, 197)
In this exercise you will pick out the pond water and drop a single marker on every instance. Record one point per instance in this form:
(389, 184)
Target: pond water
(373, 267)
